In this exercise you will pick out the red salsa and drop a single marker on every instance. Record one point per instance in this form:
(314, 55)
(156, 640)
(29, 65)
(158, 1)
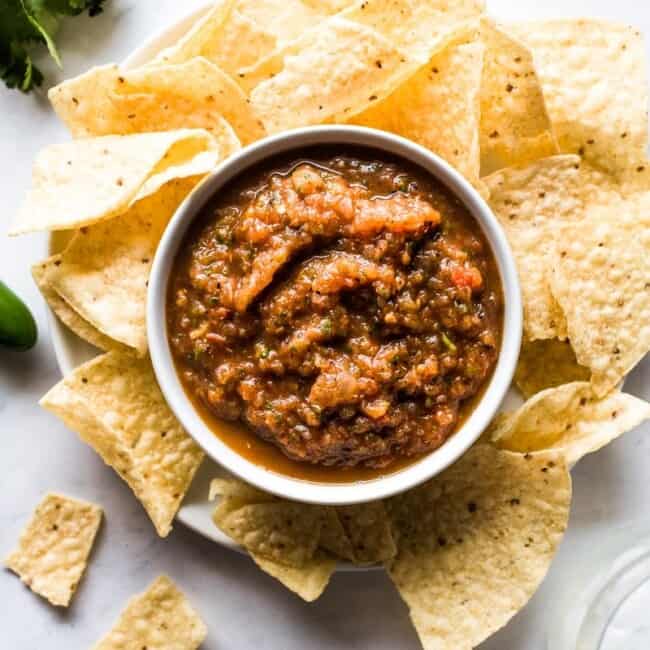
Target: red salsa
(344, 308)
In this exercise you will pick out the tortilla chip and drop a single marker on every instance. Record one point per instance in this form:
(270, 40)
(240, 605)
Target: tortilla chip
(203, 38)
(476, 541)
(284, 531)
(42, 273)
(333, 537)
(288, 19)
(104, 272)
(86, 181)
(160, 618)
(570, 419)
(308, 581)
(368, 528)
(263, 25)
(221, 43)
(235, 489)
(196, 94)
(53, 550)
(281, 536)
(113, 402)
(438, 107)
(532, 203)
(419, 29)
(328, 74)
(546, 364)
(515, 126)
(289, 533)
(601, 279)
(593, 74)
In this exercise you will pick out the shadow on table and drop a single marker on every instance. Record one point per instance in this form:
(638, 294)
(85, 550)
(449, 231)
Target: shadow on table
(23, 370)
(357, 610)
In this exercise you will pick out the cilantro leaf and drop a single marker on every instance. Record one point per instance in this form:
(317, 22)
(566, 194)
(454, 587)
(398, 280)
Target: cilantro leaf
(74, 7)
(25, 24)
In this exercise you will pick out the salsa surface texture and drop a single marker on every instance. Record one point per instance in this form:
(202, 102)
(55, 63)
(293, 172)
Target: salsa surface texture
(345, 308)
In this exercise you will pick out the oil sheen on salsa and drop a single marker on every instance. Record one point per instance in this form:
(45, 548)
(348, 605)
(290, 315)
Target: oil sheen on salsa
(344, 309)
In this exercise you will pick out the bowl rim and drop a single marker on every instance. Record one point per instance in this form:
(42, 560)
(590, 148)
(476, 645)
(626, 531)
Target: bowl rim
(283, 485)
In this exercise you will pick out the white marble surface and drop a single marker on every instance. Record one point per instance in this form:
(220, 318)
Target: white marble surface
(243, 608)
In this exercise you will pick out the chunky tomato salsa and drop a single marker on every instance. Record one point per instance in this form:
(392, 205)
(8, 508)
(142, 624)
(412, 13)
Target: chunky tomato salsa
(345, 308)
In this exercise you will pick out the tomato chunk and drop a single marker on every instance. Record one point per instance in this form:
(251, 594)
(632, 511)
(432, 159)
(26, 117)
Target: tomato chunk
(467, 276)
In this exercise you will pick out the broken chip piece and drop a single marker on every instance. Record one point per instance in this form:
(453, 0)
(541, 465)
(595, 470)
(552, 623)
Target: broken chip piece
(54, 547)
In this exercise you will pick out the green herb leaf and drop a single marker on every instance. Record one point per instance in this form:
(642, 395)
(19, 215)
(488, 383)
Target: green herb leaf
(449, 344)
(24, 24)
(326, 327)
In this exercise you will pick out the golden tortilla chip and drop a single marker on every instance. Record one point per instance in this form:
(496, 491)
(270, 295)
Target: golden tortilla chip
(85, 181)
(593, 74)
(285, 532)
(262, 25)
(328, 74)
(196, 94)
(333, 537)
(288, 19)
(308, 581)
(301, 566)
(570, 419)
(203, 38)
(104, 271)
(438, 107)
(219, 38)
(42, 273)
(236, 489)
(418, 28)
(53, 550)
(476, 541)
(515, 126)
(368, 528)
(289, 533)
(601, 279)
(159, 619)
(532, 203)
(546, 364)
(113, 402)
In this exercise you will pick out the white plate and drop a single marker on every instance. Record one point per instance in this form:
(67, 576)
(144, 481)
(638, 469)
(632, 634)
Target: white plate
(71, 351)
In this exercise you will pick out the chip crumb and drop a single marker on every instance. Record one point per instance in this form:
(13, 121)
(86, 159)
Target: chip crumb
(54, 547)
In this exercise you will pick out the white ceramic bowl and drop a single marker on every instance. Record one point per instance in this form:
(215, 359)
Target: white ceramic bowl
(293, 488)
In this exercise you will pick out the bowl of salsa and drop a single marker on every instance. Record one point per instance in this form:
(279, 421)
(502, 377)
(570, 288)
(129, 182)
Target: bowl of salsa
(334, 314)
